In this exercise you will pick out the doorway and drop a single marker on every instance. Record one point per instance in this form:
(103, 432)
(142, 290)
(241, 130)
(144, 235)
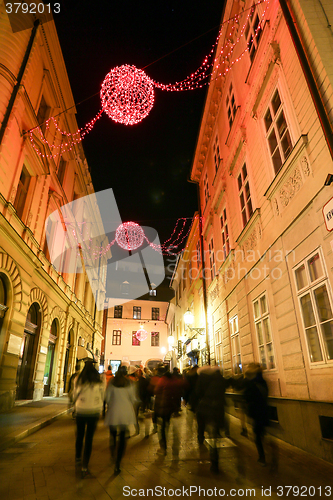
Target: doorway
(50, 357)
(28, 353)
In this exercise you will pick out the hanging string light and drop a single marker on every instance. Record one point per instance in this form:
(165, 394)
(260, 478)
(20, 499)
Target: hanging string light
(141, 334)
(130, 236)
(127, 93)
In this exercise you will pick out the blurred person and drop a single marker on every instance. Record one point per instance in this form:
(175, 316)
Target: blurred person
(179, 387)
(132, 375)
(210, 408)
(120, 399)
(239, 385)
(88, 401)
(71, 386)
(191, 378)
(165, 404)
(151, 391)
(256, 395)
(107, 376)
(143, 383)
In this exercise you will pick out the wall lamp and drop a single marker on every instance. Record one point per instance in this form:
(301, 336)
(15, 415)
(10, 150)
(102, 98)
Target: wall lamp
(188, 320)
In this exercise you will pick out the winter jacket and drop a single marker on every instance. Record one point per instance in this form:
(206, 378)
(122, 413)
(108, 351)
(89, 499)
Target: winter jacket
(120, 401)
(88, 399)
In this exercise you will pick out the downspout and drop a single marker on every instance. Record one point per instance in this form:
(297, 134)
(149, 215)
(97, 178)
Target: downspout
(306, 66)
(19, 80)
(204, 287)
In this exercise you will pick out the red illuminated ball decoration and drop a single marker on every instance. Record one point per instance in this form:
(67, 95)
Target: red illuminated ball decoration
(141, 334)
(127, 94)
(129, 236)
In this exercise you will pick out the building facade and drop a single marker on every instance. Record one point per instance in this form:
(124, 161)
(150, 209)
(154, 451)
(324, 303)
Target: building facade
(46, 309)
(136, 333)
(262, 161)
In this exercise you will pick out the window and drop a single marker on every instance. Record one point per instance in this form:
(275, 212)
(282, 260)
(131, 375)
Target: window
(316, 308)
(235, 346)
(22, 191)
(263, 329)
(155, 313)
(155, 339)
(135, 340)
(216, 153)
(277, 134)
(42, 114)
(225, 234)
(244, 195)
(61, 170)
(136, 312)
(118, 311)
(253, 32)
(206, 189)
(219, 347)
(116, 337)
(231, 105)
(212, 259)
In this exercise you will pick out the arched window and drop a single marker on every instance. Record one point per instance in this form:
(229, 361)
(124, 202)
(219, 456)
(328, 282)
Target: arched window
(3, 297)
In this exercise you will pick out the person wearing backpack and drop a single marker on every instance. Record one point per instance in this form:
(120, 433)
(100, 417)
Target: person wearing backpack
(88, 404)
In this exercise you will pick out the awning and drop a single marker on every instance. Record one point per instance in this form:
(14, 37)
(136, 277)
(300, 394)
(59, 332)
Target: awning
(82, 353)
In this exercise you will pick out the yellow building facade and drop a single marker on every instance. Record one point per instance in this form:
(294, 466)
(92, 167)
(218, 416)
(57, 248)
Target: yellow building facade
(262, 161)
(44, 313)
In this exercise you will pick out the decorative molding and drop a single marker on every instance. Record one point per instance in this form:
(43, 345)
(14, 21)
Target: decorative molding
(291, 187)
(251, 232)
(36, 295)
(286, 169)
(214, 293)
(58, 314)
(12, 196)
(305, 166)
(8, 265)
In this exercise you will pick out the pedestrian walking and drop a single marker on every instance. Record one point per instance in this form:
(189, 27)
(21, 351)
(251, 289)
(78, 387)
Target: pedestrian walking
(107, 376)
(210, 408)
(71, 388)
(256, 394)
(88, 403)
(120, 399)
(166, 403)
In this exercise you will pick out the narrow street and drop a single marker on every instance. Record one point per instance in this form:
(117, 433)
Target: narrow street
(41, 467)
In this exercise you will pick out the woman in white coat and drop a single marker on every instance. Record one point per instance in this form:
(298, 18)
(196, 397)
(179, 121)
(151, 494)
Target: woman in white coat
(120, 399)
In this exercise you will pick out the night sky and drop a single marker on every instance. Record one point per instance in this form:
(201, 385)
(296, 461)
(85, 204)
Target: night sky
(147, 165)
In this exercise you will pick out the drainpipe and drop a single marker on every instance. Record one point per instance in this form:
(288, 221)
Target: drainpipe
(308, 73)
(204, 287)
(19, 80)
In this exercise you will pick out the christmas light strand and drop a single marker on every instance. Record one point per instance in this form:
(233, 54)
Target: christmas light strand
(127, 93)
(129, 236)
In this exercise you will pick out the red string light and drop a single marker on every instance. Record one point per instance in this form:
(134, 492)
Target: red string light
(127, 93)
(130, 236)
(141, 334)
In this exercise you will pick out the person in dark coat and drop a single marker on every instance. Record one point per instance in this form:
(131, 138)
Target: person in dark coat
(166, 403)
(256, 394)
(210, 407)
(191, 378)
